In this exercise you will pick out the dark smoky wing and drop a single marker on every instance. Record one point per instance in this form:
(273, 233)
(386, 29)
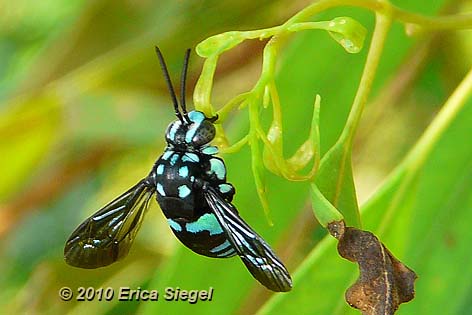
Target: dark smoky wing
(107, 235)
(256, 254)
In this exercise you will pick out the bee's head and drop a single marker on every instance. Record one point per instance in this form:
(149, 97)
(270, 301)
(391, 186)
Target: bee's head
(191, 129)
(194, 130)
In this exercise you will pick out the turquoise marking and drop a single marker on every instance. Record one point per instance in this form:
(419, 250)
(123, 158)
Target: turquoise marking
(160, 189)
(174, 225)
(221, 247)
(196, 117)
(183, 171)
(160, 169)
(190, 157)
(217, 167)
(173, 129)
(174, 159)
(210, 150)
(184, 191)
(206, 222)
(225, 188)
(192, 178)
(167, 154)
(191, 132)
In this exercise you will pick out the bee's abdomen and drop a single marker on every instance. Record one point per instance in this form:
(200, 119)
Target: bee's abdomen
(203, 235)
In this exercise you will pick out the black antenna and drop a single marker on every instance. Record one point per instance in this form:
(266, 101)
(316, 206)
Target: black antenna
(183, 81)
(169, 84)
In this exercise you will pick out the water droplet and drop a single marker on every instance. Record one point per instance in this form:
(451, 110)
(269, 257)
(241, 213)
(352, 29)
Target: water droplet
(348, 33)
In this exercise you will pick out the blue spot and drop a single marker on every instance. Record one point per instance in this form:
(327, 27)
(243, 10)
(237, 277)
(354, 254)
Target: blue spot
(206, 222)
(167, 154)
(174, 159)
(221, 247)
(160, 169)
(184, 191)
(196, 117)
(190, 157)
(183, 171)
(225, 188)
(174, 225)
(160, 189)
(210, 150)
(191, 133)
(173, 129)
(217, 167)
(192, 178)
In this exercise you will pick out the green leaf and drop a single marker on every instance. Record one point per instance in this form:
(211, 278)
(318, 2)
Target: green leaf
(334, 180)
(324, 211)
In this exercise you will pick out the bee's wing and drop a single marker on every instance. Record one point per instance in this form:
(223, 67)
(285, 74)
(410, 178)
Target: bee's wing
(107, 235)
(256, 254)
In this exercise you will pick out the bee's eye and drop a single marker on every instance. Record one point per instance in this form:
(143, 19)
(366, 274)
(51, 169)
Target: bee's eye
(204, 134)
(172, 131)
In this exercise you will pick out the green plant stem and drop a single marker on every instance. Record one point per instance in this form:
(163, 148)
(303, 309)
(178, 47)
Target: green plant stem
(418, 155)
(255, 159)
(382, 26)
(202, 92)
(431, 23)
(411, 165)
(447, 22)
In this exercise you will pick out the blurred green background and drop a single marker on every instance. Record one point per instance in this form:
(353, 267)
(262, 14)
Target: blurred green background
(83, 112)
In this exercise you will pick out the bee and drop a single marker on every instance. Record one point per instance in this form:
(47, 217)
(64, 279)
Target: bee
(189, 181)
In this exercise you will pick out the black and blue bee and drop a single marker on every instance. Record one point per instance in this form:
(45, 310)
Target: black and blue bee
(191, 189)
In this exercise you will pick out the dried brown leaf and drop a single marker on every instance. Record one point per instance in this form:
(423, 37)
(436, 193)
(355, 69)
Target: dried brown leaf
(384, 282)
